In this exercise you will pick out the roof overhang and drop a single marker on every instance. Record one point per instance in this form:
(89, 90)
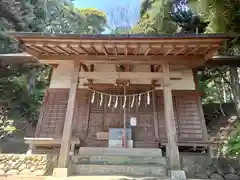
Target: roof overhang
(193, 49)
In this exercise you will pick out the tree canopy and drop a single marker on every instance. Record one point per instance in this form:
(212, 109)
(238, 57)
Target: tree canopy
(22, 86)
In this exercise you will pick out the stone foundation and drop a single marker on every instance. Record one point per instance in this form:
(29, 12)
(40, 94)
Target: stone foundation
(202, 166)
(22, 164)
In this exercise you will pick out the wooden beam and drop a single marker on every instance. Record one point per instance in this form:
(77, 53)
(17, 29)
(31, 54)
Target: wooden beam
(172, 148)
(122, 59)
(127, 75)
(67, 130)
(131, 86)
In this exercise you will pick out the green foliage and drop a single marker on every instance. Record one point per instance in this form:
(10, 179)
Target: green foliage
(22, 86)
(231, 148)
(22, 89)
(223, 15)
(155, 18)
(94, 20)
(6, 128)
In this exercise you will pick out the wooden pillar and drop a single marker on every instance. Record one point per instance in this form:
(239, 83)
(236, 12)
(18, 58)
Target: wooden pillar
(67, 130)
(155, 116)
(172, 148)
(124, 121)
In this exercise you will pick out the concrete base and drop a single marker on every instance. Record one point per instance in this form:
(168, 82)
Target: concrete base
(60, 172)
(178, 175)
(118, 143)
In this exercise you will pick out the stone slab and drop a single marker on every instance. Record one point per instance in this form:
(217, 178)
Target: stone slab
(120, 160)
(117, 133)
(130, 170)
(98, 151)
(178, 175)
(60, 172)
(119, 143)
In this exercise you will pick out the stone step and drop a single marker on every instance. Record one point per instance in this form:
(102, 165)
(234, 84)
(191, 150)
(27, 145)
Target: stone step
(122, 170)
(114, 178)
(120, 160)
(97, 151)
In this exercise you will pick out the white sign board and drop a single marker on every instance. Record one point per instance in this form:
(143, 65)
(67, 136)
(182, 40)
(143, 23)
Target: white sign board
(133, 121)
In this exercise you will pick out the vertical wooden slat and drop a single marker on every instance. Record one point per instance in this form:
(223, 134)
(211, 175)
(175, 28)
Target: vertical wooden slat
(172, 148)
(67, 131)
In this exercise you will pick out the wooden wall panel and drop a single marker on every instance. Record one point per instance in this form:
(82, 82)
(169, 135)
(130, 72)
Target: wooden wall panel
(80, 121)
(189, 117)
(53, 115)
(90, 118)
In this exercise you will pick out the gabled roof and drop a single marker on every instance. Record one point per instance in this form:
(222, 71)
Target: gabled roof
(46, 46)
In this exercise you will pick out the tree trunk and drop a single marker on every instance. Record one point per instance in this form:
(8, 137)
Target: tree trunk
(235, 88)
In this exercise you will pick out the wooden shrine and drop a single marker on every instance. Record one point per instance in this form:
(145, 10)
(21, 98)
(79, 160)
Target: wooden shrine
(99, 82)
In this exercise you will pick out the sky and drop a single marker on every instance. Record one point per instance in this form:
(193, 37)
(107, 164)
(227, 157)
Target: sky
(114, 7)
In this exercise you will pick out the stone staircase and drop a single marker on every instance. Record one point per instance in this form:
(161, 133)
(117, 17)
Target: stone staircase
(119, 161)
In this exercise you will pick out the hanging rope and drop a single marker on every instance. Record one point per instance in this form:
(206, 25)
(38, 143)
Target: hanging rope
(121, 95)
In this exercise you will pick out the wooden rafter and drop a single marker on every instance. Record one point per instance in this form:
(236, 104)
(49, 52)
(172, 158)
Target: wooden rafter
(63, 50)
(169, 51)
(48, 47)
(183, 49)
(104, 50)
(83, 49)
(206, 50)
(147, 51)
(94, 49)
(192, 51)
(31, 51)
(72, 49)
(34, 48)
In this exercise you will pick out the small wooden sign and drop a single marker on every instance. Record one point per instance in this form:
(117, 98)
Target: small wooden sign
(133, 121)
